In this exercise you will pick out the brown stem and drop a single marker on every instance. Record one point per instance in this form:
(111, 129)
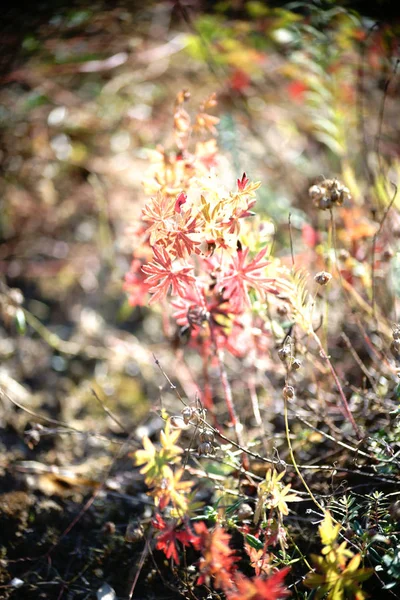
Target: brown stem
(345, 405)
(228, 395)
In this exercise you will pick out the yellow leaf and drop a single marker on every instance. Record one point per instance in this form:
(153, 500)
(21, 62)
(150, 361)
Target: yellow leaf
(328, 531)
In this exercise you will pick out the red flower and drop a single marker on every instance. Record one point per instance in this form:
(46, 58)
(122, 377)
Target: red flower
(163, 275)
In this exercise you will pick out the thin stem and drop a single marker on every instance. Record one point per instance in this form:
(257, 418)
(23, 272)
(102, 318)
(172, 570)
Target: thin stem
(345, 405)
(289, 443)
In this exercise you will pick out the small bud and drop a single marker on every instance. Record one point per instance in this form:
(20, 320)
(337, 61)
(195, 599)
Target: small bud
(282, 310)
(322, 278)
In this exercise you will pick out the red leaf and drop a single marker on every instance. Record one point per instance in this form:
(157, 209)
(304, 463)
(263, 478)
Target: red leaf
(181, 199)
(167, 541)
(241, 183)
(258, 588)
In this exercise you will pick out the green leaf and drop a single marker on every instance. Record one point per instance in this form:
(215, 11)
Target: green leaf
(254, 542)
(20, 321)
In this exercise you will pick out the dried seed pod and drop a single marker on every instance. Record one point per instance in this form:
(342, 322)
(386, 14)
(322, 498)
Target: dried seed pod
(288, 392)
(205, 448)
(133, 533)
(206, 436)
(284, 353)
(344, 195)
(322, 278)
(324, 203)
(296, 364)
(315, 193)
(328, 194)
(331, 184)
(395, 348)
(396, 332)
(335, 196)
(187, 414)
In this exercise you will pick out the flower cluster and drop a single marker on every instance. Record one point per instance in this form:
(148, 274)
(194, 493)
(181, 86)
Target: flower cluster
(197, 248)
